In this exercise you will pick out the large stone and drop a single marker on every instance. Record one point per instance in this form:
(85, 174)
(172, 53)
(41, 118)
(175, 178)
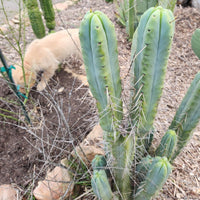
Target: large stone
(57, 184)
(91, 146)
(8, 192)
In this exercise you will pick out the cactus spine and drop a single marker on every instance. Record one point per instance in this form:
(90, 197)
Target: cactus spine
(35, 18)
(49, 15)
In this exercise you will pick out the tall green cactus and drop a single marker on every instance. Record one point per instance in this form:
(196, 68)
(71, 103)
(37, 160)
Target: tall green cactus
(99, 49)
(35, 18)
(102, 67)
(151, 43)
(125, 150)
(49, 14)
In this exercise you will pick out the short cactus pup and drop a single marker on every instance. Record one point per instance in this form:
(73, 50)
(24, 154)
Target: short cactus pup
(130, 168)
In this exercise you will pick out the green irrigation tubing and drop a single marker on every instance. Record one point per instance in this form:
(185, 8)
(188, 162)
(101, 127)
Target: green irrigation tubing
(13, 86)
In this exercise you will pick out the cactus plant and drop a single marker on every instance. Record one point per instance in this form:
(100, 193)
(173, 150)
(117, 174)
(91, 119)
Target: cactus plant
(35, 17)
(130, 11)
(49, 15)
(128, 150)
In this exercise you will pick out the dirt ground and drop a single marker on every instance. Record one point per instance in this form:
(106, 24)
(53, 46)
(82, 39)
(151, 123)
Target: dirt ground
(27, 151)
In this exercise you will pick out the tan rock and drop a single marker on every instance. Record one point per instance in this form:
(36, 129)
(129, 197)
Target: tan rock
(8, 192)
(63, 5)
(3, 29)
(57, 184)
(91, 146)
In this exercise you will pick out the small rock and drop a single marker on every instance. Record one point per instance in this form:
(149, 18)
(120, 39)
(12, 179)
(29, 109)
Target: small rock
(60, 90)
(15, 21)
(57, 184)
(8, 192)
(3, 29)
(91, 145)
(63, 6)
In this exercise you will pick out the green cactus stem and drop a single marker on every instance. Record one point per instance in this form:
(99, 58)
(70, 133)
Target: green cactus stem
(143, 167)
(49, 14)
(196, 42)
(155, 179)
(99, 162)
(123, 152)
(150, 51)
(35, 18)
(99, 49)
(101, 186)
(167, 145)
(187, 115)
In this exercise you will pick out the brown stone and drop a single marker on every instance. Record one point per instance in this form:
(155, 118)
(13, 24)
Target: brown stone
(8, 192)
(57, 184)
(63, 5)
(91, 146)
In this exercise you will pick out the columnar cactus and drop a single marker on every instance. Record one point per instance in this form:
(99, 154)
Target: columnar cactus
(130, 11)
(153, 37)
(35, 17)
(49, 15)
(128, 152)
